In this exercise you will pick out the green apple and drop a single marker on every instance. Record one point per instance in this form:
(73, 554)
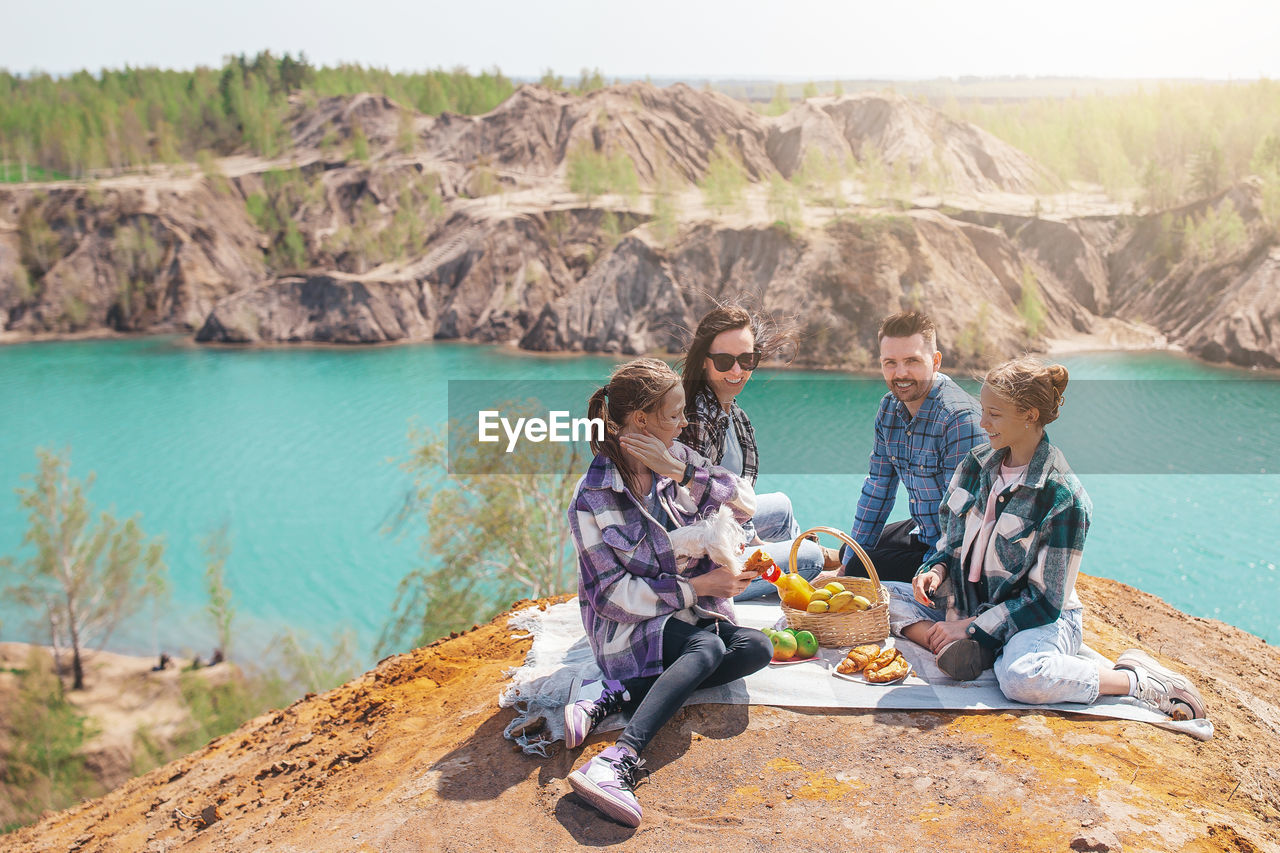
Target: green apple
(806, 644)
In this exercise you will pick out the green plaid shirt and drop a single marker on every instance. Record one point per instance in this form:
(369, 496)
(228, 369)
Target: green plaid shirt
(1039, 540)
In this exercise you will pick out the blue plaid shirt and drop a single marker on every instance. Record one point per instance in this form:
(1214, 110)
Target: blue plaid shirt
(923, 451)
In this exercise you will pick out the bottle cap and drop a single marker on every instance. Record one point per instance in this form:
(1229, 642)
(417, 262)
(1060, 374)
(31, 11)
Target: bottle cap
(771, 572)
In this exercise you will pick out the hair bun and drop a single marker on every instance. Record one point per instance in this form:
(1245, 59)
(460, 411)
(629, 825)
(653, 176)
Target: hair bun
(1057, 377)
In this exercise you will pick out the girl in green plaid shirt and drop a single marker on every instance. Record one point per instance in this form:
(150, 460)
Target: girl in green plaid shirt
(1001, 588)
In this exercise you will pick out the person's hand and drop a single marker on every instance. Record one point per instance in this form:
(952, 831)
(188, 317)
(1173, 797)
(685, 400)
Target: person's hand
(652, 453)
(924, 585)
(721, 582)
(943, 634)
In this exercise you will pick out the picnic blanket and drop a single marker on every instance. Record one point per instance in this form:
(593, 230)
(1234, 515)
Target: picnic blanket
(540, 688)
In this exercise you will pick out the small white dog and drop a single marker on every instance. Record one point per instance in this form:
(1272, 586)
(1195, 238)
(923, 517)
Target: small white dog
(718, 536)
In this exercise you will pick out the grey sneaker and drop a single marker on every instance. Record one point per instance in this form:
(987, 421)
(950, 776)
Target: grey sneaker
(608, 782)
(965, 660)
(1162, 689)
(589, 703)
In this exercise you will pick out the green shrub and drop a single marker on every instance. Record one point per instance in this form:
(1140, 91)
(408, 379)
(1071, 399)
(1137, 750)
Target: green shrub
(1169, 239)
(1031, 304)
(75, 312)
(22, 281)
(593, 173)
(666, 224)
(483, 181)
(213, 173)
(286, 193)
(725, 182)
(781, 102)
(971, 343)
(784, 204)
(589, 81)
(374, 240)
(873, 172)
(1270, 202)
(610, 228)
(44, 767)
(359, 150)
(1218, 231)
(406, 138)
(38, 244)
(821, 178)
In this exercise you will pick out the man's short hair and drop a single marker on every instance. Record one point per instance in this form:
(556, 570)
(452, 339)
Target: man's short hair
(904, 324)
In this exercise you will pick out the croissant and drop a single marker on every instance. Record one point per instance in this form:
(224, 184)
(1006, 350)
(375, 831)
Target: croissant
(888, 666)
(893, 671)
(886, 657)
(757, 562)
(857, 659)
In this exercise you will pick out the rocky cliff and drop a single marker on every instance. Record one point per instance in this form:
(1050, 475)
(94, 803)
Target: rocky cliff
(411, 757)
(461, 227)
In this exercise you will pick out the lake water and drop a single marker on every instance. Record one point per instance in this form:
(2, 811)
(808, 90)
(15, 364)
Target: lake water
(295, 452)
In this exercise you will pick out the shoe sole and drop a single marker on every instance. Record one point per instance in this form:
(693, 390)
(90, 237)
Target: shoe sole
(570, 741)
(1194, 703)
(962, 660)
(599, 799)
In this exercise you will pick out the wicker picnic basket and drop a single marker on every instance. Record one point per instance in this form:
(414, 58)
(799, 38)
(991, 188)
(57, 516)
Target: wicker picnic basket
(848, 627)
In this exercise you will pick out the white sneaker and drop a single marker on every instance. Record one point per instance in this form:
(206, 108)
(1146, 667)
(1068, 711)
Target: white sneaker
(608, 783)
(1162, 689)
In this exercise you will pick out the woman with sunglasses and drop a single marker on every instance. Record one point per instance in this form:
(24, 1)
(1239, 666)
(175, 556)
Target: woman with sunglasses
(727, 346)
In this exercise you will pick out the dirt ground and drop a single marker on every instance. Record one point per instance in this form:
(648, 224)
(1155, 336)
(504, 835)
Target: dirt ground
(411, 757)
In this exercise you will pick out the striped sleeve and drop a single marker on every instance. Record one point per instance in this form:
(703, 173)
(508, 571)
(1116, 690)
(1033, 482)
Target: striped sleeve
(615, 592)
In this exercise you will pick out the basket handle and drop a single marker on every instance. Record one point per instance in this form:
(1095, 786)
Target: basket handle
(846, 539)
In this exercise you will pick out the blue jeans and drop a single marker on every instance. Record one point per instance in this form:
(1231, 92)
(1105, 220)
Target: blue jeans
(776, 524)
(1037, 665)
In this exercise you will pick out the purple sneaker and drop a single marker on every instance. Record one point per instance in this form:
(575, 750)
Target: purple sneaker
(608, 782)
(589, 703)
(1162, 689)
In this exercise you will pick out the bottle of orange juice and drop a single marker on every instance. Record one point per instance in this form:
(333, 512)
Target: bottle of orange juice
(793, 589)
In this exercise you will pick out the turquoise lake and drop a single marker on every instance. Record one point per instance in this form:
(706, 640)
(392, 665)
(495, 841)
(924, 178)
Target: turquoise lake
(295, 451)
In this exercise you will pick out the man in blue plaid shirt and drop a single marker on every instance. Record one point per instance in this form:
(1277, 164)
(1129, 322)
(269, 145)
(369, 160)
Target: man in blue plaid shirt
(926, 424)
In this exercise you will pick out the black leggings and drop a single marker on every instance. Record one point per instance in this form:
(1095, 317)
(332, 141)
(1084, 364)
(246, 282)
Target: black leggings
(693, 656)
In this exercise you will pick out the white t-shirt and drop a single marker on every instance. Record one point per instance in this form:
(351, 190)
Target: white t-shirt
(732, 458)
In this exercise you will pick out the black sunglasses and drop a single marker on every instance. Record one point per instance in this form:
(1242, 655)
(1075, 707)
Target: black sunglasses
(723, 361)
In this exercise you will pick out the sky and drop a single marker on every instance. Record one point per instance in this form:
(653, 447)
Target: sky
(692, 39)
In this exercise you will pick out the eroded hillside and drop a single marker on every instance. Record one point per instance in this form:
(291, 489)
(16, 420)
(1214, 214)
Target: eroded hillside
(384, 225)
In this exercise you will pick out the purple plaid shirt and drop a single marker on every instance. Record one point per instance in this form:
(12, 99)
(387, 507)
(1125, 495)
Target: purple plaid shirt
(629, 583)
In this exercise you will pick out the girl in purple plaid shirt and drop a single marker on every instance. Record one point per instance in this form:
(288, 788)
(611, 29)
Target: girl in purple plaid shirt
(660, 626)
